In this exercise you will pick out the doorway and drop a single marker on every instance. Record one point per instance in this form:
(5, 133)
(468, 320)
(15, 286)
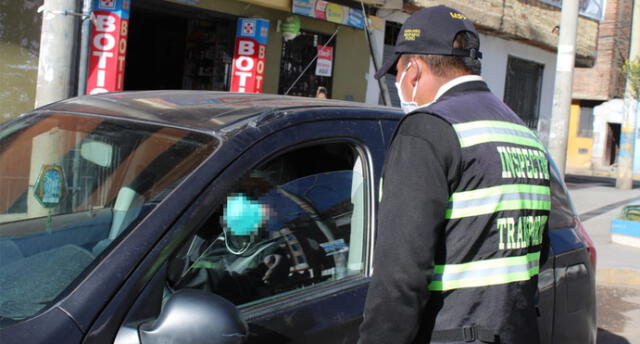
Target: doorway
(178, 47)
(613, 143)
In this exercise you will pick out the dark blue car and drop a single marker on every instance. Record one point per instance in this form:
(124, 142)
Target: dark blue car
(202, 217)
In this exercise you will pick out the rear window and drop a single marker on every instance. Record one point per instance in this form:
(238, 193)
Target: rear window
(562, 210)
(70, 186)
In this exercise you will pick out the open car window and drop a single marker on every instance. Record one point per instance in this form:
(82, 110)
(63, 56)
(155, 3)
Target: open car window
(294, 222)
(70, 185)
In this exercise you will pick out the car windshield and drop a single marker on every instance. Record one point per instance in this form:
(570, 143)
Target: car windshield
(70, 185)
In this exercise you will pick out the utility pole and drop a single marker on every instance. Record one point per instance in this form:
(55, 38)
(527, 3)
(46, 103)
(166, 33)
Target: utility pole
(563, 84)
(85, 37)
(57, 51)
(627, 135)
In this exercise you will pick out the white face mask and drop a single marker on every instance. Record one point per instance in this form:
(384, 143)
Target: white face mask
(407, 106)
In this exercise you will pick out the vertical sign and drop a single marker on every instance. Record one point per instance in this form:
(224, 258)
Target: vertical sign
(108, 46)
(324, 63)
(249, 55)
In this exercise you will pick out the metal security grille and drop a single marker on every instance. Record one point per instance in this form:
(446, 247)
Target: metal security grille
(296, 55)
(522, 89)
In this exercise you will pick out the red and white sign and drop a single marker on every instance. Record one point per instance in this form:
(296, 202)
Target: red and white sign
(250, 55)
(107, 51)
(324, 63)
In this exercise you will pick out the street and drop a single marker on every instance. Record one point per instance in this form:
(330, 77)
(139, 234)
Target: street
(597, 201)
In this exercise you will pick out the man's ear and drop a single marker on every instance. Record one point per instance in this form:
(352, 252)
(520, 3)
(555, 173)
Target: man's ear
(417, 69)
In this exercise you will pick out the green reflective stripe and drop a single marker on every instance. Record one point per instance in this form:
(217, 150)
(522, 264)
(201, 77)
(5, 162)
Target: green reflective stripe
(500, 206)
(498, 198)
(500, 189)
(486, 138)
(485, 272)
(487, 263)
(478, 132)
(484, 281)
(494, 124)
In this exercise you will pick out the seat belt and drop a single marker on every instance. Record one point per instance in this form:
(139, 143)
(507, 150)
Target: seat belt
(467, 334)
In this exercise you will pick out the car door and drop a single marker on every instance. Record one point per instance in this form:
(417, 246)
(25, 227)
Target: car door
(572, 319)
(304, 279)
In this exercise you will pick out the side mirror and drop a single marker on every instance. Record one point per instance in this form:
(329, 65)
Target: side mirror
(193, 317)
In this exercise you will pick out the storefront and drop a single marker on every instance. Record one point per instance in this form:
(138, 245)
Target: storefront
(190, 44)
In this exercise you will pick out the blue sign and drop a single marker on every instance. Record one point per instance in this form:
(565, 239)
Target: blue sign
(257, 29)
(120, 7)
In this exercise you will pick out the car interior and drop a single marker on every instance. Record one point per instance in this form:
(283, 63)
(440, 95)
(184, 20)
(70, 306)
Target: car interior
(310, 234)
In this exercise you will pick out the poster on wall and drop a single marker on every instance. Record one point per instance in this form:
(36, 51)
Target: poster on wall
(249, 55)
(324, 63)
(593, 9)
(108, 46)
(324, 10)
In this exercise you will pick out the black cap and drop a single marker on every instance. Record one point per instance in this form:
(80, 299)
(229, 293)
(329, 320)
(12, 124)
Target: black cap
(431, 31)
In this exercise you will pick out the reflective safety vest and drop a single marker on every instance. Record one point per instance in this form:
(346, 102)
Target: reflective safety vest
(486, 271)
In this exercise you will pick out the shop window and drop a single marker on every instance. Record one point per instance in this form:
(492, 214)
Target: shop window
(522, 89)
(173, 46)
(298, 62)
(293, 223)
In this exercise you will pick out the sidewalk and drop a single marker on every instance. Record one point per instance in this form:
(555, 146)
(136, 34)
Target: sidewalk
(597, 202)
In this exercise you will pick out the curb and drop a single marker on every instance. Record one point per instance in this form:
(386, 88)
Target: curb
(627, 277)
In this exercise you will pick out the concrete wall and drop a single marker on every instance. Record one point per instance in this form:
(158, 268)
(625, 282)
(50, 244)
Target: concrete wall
(19, 45)
(351, 54)
(610, 112)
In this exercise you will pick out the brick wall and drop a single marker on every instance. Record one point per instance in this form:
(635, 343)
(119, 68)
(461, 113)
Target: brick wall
(527, 20)
(604, 80)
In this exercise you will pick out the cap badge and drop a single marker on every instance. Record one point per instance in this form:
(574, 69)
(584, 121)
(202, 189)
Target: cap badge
(455, 15)
(411, 34)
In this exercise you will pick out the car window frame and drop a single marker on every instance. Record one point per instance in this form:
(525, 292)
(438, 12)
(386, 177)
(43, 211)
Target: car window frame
(296, 296)
(234, 157)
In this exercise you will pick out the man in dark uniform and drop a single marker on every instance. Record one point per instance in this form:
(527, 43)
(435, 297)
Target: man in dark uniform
(465, 200)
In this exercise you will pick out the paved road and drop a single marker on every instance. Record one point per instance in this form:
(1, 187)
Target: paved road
(618, 267)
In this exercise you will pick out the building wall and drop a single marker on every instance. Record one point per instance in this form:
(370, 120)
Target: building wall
(613, 49)
(578, 148)
(19, 47)
(608, 112)
(351, 52)
(496, 51)
(531, 21)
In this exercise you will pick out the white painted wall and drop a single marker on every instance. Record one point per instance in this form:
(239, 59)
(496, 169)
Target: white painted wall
(373, 88)
(496, 52)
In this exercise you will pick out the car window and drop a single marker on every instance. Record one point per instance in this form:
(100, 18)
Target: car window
(69, 187)
(293, 222)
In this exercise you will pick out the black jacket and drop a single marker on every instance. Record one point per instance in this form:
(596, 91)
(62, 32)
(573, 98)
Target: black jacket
(424, 167)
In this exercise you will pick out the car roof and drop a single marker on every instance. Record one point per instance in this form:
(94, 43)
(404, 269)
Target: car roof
(207, 111)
